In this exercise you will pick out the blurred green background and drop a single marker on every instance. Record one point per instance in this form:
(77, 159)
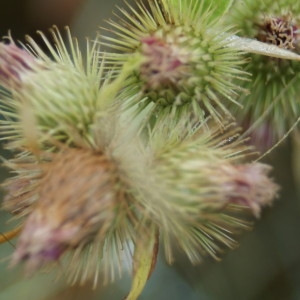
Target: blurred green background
(266, 266)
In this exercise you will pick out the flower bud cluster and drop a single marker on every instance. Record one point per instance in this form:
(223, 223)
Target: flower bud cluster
(115, 149)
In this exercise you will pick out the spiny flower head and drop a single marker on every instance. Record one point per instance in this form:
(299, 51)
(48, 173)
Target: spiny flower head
(185, 65)
(272, 107)
(65, 216)
(77, 204)
(195, 181)
(63, 93)
(60, 122)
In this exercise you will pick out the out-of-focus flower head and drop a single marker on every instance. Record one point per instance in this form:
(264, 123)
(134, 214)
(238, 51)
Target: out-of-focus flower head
(62, 92)
(201, 182)
(272, 107)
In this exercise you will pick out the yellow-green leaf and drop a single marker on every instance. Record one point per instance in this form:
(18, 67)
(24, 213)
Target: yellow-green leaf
(144, 260)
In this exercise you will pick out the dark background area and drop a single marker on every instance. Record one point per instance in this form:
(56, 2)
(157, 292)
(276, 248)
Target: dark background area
(266, 266)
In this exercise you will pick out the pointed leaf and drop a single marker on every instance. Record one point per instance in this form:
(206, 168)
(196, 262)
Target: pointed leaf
(254, 46)
(144, 260)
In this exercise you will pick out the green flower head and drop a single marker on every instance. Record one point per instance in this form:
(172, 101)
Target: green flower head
(54, 98)
(199, 186)
(185, 65)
